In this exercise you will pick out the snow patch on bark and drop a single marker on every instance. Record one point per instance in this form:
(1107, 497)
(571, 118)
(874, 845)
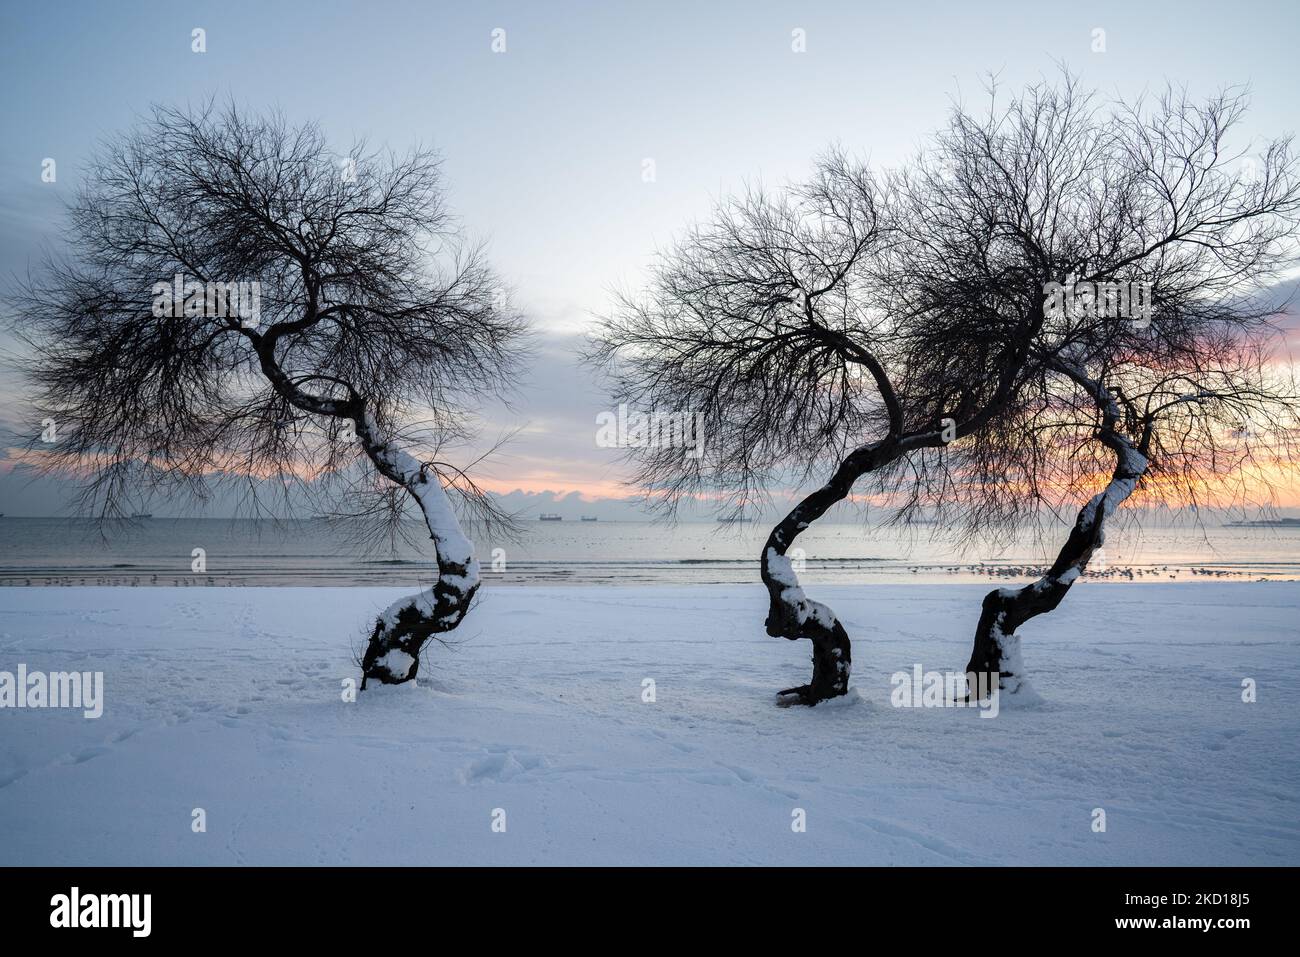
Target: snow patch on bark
(841, 666)
(404, 626)
(425, 604)
(1013, 683)
(453, 546)
(781, 571)
(396, 662)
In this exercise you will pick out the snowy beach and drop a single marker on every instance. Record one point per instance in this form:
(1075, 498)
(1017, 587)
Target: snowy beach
(230, 700)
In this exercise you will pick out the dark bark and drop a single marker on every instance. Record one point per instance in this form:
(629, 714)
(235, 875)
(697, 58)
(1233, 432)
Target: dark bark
(791, 614)
(997, 645)
(392, 654)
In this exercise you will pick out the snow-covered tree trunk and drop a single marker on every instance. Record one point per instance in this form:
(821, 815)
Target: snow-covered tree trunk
(401, 631)
(392, 655)
(997, 644)
(791, 613)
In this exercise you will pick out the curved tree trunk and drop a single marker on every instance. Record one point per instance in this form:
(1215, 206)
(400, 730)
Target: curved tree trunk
(997, 646)
(401, 631)
(392, 655)
(791, 614)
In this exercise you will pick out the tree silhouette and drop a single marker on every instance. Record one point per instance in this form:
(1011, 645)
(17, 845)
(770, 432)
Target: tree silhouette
(237, 298)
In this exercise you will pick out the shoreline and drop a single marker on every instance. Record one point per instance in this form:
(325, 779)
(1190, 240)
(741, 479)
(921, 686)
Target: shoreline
(1012, 577)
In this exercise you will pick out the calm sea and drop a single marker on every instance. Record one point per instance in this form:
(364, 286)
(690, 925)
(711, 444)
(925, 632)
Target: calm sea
(161, 551)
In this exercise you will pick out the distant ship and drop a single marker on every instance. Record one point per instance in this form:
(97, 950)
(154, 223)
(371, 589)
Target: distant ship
(551, 517)
(735, 520)
(143, 515)
(1265, 523)
(590, 518)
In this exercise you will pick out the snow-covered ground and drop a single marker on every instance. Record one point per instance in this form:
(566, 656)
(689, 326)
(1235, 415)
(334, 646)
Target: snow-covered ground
(229, 700)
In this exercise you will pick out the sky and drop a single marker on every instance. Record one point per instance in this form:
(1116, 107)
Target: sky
(545, 144)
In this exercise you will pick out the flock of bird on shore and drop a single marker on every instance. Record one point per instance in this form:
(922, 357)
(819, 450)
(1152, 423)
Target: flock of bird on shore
(1127, 573)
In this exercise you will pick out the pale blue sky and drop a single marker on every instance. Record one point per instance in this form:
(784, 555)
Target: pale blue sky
(544, 144)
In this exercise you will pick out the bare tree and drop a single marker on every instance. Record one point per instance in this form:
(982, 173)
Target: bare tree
(1173, 434)
(240, 299)
(762, 320)
(902, 329)
(1147, 208)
